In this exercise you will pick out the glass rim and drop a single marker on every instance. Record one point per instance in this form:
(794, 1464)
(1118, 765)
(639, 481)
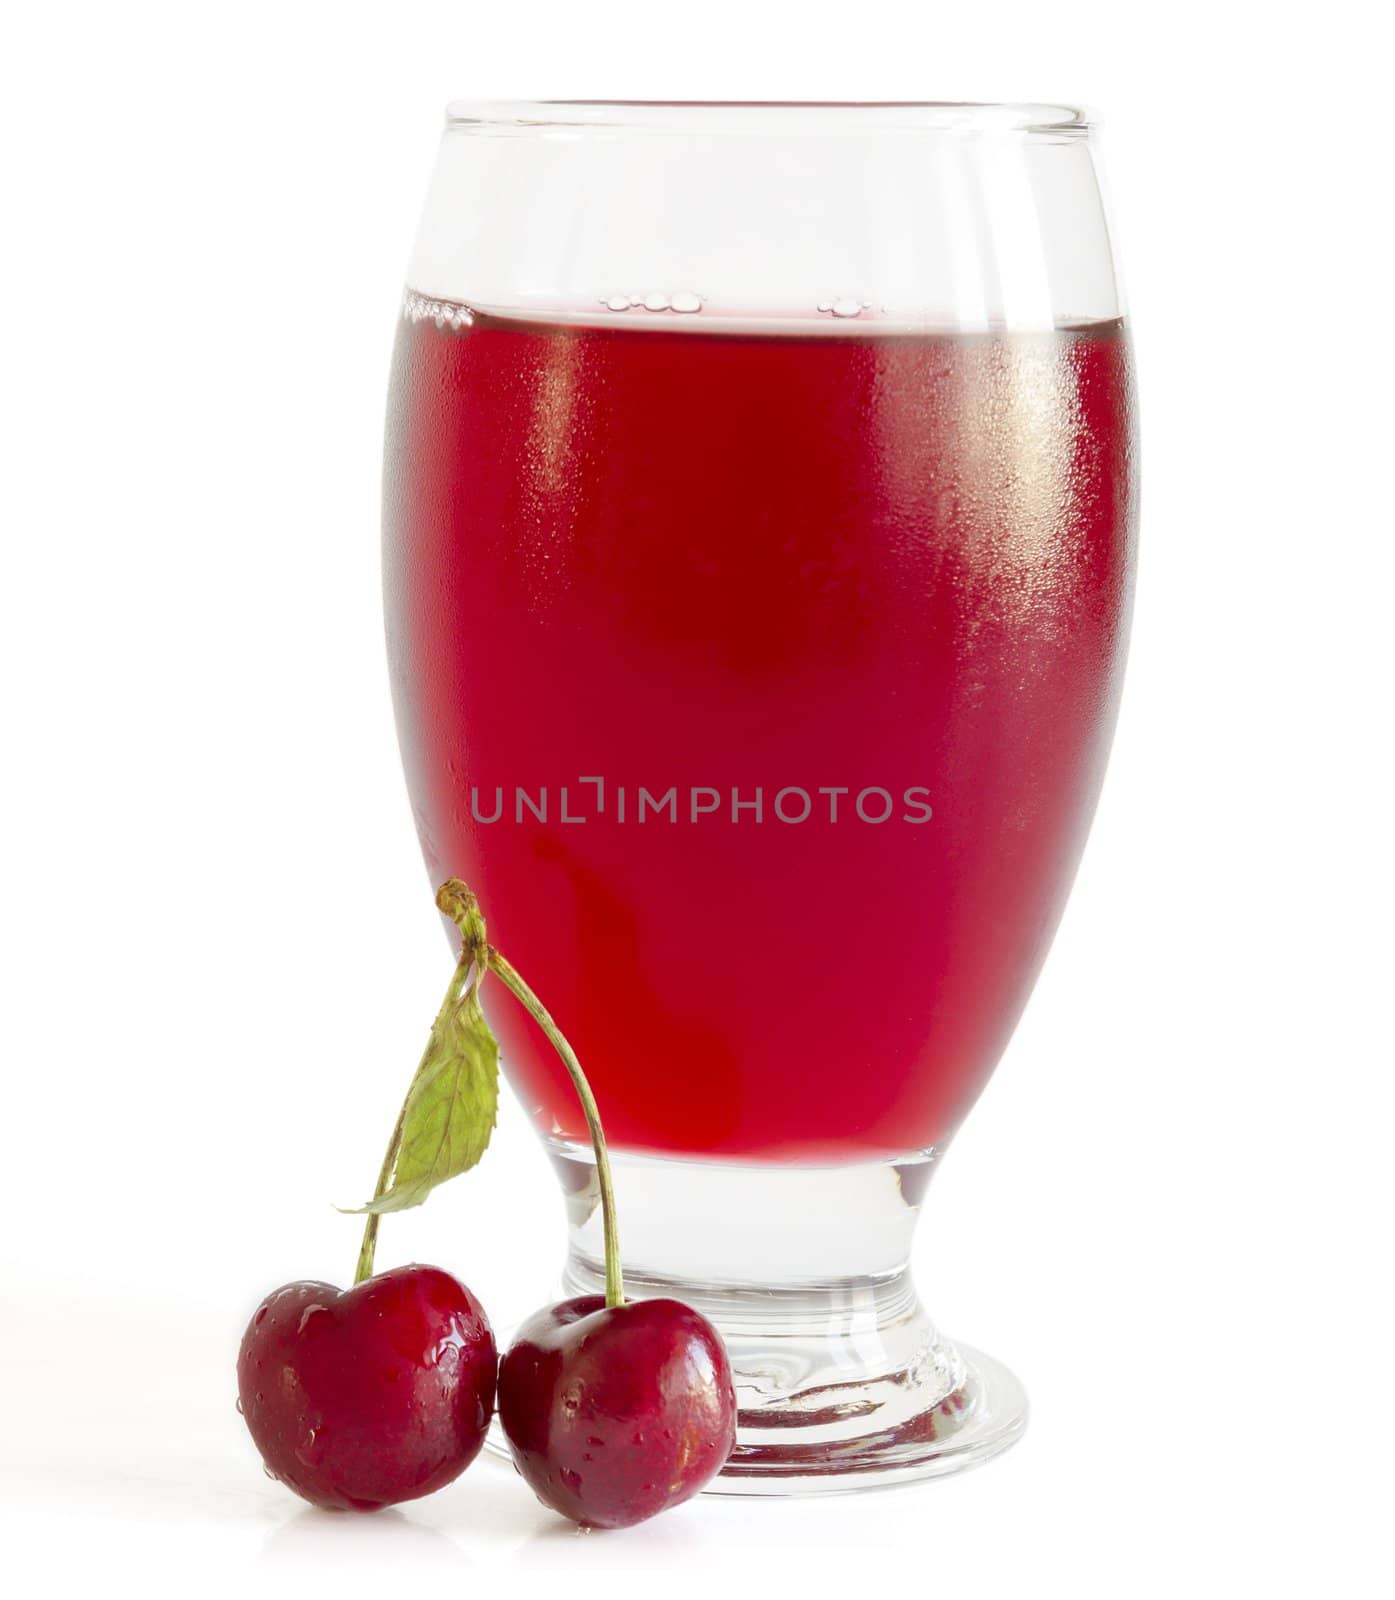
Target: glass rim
(956, 116)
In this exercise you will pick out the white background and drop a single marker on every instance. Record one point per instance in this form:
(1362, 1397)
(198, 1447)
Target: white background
(1169, 1212)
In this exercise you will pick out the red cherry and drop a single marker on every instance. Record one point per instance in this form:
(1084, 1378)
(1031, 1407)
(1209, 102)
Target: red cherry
(614, 1415)
(364, 1398)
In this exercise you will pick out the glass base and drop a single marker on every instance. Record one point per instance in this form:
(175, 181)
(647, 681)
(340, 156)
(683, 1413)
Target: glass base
(842, 1381)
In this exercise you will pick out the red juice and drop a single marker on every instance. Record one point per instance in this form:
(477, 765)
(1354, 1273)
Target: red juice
(650, 588)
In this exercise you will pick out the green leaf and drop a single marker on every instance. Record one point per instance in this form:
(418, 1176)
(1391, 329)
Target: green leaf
(450, 1108)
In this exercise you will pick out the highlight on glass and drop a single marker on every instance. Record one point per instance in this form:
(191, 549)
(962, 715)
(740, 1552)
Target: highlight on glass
(758, 541)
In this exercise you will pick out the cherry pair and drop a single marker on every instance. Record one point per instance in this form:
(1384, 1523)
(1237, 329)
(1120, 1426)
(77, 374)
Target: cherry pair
(384, 1393)
(614, 1411)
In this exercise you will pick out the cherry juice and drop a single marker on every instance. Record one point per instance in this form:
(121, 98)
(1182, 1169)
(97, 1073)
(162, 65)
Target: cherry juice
(760, 683)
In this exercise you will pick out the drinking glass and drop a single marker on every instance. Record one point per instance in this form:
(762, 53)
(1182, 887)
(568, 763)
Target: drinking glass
(758, 551)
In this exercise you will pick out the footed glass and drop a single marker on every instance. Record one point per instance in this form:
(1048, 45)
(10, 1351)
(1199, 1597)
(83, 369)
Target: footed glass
(759, 520)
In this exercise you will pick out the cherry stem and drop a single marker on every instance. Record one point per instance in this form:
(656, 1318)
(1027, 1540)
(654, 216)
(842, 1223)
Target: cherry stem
(513, 982)
(369, 1246)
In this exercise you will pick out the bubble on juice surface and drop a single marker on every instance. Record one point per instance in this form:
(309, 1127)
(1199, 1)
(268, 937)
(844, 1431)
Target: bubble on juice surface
(444, 313)
(683, 301)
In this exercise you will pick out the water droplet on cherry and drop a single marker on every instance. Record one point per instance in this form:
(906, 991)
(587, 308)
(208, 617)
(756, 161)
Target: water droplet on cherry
(309, 1312)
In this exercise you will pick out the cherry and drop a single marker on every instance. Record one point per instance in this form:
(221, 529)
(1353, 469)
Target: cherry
(615, 1413)
(365, 1398)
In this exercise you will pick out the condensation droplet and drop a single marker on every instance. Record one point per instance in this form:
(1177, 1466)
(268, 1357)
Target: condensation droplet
(846, 307)
(238, 1404)
(656, 302)
(617, 302)
(825, 306)
(270, 1474)
(685, 302)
